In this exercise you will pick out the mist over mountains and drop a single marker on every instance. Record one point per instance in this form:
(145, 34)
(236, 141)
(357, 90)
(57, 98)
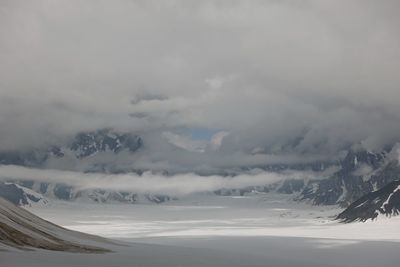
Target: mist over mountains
(316, 76)
(199, 133)
(305, 92)
(105, 166)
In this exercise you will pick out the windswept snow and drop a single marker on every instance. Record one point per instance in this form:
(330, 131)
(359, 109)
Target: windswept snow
(199, 216)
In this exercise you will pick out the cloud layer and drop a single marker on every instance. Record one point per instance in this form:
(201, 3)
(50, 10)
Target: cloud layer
(175, 185)
(267, 72)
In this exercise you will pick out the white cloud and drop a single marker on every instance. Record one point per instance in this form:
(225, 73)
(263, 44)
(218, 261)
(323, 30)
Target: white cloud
(216, 140)
(148, 182)
(185, 142)
(192, 145)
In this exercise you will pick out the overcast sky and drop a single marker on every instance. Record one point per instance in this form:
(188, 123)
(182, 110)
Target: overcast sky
(255, 74)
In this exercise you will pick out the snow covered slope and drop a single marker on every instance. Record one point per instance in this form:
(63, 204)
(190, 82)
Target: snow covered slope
(259, 230)
(385, 201)
(21, 229)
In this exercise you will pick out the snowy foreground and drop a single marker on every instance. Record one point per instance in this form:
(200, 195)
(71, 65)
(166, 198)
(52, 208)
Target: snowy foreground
(259, 230)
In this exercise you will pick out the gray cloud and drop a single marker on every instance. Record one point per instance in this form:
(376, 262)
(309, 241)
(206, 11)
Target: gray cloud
(176, 185)
(267, 72)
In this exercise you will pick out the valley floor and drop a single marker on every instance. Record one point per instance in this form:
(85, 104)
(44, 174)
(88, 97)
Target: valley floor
(258, 230)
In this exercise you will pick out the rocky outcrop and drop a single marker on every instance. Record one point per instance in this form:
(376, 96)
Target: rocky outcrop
(83, 145)
(21, 229)
(20, 195)
(383, 202)
(360, 172)
(90, 143)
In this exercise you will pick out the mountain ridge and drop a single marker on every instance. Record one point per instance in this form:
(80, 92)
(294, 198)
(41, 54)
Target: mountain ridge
(359, 172)
(22, 230)
(383, 202)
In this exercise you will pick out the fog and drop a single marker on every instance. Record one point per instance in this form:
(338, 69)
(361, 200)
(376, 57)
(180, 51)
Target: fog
(148, 182)
(276, 77)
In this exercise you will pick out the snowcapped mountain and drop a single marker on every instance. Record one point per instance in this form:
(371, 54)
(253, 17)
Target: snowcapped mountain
(383, 202)
(90, 143)
(359, 173)
(21, 229)
(83, 145)
(37, 193)
(107, 151)
(80, 151)
(20, 195)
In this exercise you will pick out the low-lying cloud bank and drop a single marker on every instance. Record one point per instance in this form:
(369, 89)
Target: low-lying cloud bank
(314, 75)
(152, 183)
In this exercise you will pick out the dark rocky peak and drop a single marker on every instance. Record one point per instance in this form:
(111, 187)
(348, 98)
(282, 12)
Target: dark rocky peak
(385, 201)
(360, 172)
(56, 151)
(354, 159)
(390, 172)
(84, 144)
(18, 195)
(89, 143)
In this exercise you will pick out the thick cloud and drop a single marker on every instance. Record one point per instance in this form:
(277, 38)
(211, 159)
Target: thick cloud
(266, 72)
(176, 185)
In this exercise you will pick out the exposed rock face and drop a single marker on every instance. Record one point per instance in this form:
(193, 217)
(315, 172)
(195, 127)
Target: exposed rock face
(87, 144)
(106, 151)
(360, 173)
(83, 145)
(21, 229)
(19, 195)
(29, 193)
(385, 201)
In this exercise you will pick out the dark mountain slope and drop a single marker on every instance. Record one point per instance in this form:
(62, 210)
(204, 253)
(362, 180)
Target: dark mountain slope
(385, 201)
(21, 229)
